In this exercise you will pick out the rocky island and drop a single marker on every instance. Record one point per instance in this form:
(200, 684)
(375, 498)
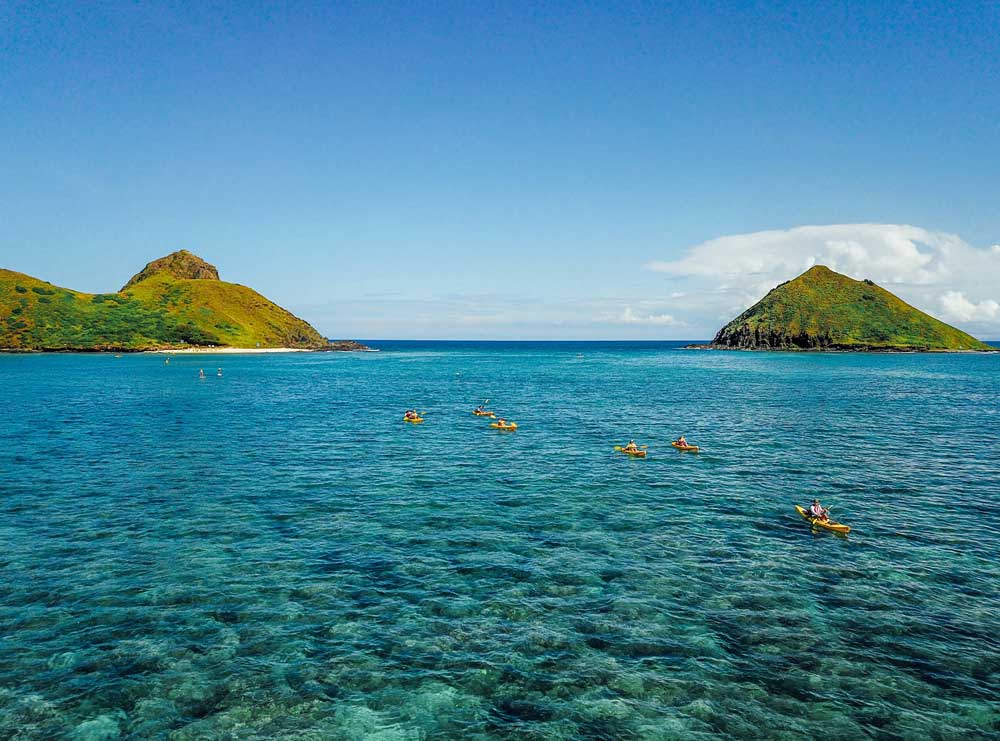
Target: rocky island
(176, 302)
(824, 310)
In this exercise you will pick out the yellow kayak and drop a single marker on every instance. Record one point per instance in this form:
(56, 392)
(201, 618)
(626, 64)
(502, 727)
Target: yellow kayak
(633, 453)
(413, 420)
(498, 426)
(687, 448)
(827, 524)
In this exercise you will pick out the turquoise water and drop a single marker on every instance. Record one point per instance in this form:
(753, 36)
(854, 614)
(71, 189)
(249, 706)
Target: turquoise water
(274, 554)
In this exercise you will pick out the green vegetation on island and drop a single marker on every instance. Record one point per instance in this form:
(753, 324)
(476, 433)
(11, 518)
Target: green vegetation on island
(824, 310)
(174, 302)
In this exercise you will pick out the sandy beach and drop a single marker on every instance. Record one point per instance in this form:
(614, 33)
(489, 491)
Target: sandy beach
(230, 350)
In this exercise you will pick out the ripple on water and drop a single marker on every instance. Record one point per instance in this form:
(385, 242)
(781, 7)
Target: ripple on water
(272, 554)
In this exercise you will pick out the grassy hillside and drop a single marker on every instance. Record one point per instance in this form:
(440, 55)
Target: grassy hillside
(822, 309)
(158, 308)
(232, 314)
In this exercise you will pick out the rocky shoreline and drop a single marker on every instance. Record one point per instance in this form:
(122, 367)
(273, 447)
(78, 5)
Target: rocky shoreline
(830, 349)
(347, 346)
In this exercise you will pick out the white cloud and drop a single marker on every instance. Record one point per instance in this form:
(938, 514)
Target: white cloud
(630, 317)
(957, 307)
(888, 252)
(735, 271)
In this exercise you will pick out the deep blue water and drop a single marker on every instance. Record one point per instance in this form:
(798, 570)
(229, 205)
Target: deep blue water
(274, 554)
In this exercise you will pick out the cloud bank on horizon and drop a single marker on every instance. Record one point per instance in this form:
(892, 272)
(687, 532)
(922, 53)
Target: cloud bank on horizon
(702, 289)
(937, 272)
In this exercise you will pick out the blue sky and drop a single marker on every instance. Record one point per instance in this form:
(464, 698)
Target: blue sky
(533, 170)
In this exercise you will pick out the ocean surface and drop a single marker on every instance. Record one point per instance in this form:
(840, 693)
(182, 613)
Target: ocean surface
(274, 554)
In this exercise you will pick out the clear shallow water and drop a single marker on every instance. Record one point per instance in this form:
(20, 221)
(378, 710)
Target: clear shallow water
(274, 554)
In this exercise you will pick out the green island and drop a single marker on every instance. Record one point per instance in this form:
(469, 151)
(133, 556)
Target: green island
(824, 310)
(175, 302)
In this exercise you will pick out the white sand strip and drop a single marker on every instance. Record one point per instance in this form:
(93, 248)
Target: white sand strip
(230, 350)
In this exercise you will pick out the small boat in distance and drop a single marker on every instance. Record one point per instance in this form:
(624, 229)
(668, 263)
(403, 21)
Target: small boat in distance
(630, 448)
(826, 524)
(683, 445)
(636, 453)
(482, 411)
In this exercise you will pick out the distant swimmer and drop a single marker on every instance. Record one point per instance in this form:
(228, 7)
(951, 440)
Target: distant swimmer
(201, 373)
(219, 373)
(167, 361)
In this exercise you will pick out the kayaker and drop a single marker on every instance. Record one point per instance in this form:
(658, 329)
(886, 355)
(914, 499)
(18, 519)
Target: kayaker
(682, 442)
(818, 511)
(631, 447)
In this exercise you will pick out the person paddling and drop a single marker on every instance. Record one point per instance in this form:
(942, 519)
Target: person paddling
(818, 511)
(631, 447)
(682, 442)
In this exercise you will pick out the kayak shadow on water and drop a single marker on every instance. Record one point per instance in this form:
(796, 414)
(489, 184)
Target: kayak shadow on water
(817, 530)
